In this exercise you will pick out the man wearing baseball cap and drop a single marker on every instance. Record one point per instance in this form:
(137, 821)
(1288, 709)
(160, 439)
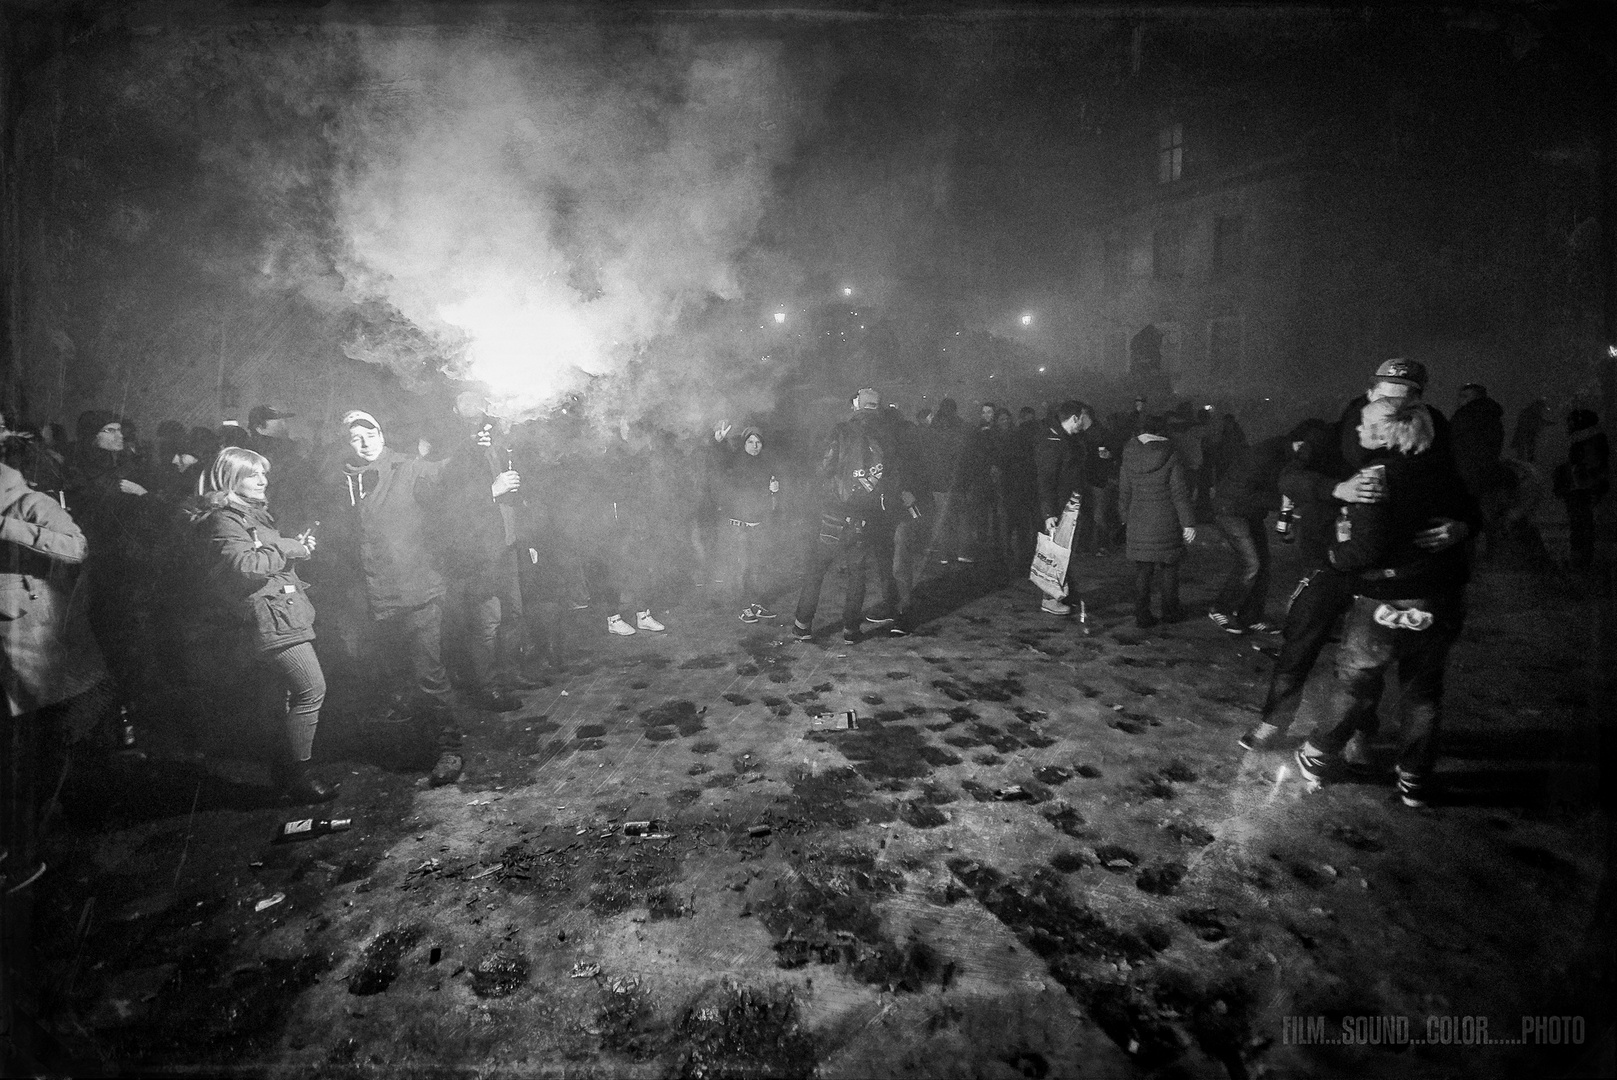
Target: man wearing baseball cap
(378, 521)
(267, 435)
(1324, 593)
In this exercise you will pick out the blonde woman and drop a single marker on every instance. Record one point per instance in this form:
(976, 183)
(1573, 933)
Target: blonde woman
(250, 572)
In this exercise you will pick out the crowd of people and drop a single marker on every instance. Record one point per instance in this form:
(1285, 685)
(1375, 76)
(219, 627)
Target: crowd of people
(173, 579)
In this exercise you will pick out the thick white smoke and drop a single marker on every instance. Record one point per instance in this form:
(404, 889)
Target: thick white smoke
(543, 209)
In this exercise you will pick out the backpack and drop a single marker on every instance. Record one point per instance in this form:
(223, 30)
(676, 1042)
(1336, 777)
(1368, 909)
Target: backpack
(858, 469)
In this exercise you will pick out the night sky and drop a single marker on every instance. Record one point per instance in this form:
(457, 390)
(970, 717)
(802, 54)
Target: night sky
(220, 205)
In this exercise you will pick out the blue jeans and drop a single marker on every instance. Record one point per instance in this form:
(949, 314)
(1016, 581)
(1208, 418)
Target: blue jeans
(1246, 590)
(1368, 650)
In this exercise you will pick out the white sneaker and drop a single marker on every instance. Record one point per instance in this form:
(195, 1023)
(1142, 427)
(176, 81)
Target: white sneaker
(616, 625)
(1052, 606)
(645, 622)
(1357, 751)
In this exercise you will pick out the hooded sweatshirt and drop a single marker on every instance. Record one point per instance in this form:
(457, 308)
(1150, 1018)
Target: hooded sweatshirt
(380, 513)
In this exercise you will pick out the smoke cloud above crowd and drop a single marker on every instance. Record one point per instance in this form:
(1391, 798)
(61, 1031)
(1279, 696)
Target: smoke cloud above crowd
(532, 214)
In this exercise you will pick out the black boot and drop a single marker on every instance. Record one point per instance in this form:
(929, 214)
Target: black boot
(299, 787)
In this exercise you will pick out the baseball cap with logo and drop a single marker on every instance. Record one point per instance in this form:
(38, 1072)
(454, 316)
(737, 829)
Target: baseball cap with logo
(869, 398)
(1399, 370)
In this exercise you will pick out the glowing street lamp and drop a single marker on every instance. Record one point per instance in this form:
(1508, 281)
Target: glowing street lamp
(780, 317)
(847, 290)
(1041, 371)
(1027, 320)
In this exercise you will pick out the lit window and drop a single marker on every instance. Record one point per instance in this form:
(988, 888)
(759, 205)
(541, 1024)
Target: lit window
(1170, 153)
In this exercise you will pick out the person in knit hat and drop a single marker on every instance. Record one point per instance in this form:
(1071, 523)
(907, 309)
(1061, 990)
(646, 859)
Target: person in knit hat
(749, 495)
(379, 521)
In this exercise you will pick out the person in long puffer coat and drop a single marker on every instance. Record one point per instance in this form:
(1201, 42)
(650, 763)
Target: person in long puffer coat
(1154, 502)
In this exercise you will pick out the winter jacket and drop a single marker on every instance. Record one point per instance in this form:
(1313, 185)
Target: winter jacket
(1478, 433)
(1586, 473)
(49, 653)
(1311, 491)
(942, 443)
(853, 470)
(1059, 461)
(120, 526)
(380, 519)
(1379, 548)
(1249, 487)
(1153, 499)
(476, 528)
(1019, 470)
(250, 575)
(744, 483)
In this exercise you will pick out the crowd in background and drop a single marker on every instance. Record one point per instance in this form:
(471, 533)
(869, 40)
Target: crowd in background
(162, 583)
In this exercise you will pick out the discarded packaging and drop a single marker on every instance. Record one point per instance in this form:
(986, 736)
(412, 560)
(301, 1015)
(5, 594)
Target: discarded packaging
(304, 828)
(495, 869)
(642, 828)
(1012, 793)
(760, 830)
(582, 970)
(269, 901)
(839, 721)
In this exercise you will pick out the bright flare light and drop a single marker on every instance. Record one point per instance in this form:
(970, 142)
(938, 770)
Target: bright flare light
(1027, 320)
(780, 317)
(846, 291)
(525, 348)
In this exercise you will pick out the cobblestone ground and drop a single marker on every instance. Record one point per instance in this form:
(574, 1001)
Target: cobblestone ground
(1039, 853)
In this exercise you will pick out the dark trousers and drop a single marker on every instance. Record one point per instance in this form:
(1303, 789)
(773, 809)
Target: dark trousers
(1318, 601)
(1246, 590)
(1580, 517)
(882, 535)
(1144, 572)
(744, 546)
(490, 600)
(1420, 656)
(418, 633)
(854, 546)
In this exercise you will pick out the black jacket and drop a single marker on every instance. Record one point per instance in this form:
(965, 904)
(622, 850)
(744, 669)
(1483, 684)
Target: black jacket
(1380, 546)
(379, 516)
(1060, 460)
(1249, 486)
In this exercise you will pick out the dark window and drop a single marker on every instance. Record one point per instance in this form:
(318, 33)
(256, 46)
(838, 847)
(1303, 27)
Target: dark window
(1168, 253)
(1170, 153)
(1224, 344)
(1117, 267)
(1229, 253)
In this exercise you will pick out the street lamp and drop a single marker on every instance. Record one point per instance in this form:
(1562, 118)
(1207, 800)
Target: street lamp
(1027, 320)
(847, 290)
(780, 317)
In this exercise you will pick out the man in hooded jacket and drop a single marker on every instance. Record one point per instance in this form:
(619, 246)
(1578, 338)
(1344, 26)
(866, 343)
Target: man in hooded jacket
(380, 518)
